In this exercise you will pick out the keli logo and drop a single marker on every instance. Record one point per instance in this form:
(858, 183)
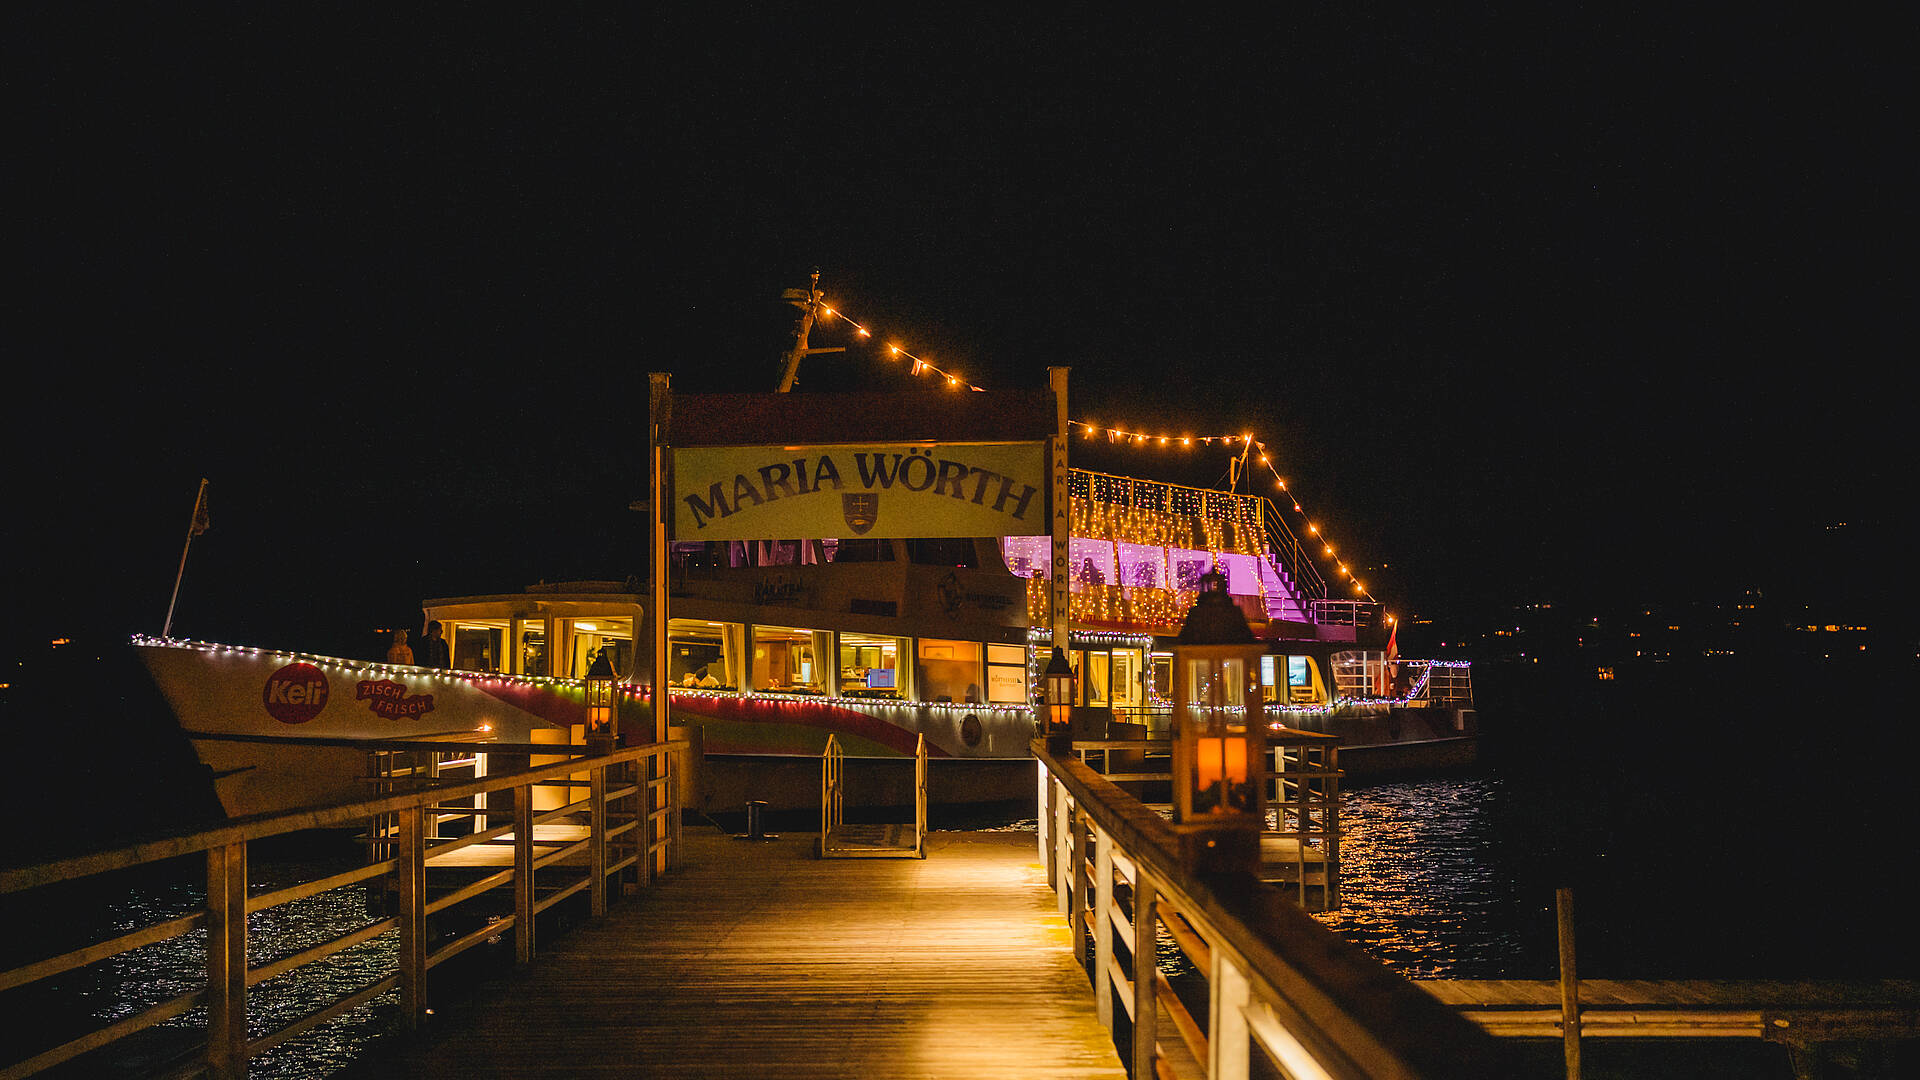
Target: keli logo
(295, 694)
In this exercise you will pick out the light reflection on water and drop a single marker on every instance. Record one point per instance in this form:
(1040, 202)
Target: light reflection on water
(1421, 888)
(143, 978)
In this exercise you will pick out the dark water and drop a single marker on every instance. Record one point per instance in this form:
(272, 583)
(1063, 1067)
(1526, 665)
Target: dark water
(1714, 822)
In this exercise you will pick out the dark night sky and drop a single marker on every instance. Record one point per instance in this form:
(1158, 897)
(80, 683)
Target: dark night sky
(1580, 307)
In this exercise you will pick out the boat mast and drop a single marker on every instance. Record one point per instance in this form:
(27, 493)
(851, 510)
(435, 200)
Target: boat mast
(808, 301)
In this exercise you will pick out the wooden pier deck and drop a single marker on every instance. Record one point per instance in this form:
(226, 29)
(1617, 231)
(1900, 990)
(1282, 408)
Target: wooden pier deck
(756, 959)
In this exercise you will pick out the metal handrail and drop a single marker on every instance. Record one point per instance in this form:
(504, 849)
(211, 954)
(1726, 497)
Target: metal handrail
(646, 849)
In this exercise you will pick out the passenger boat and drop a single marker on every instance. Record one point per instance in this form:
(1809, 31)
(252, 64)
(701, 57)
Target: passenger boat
(775, 645)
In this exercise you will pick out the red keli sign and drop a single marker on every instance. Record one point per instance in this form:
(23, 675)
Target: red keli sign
(295, 694)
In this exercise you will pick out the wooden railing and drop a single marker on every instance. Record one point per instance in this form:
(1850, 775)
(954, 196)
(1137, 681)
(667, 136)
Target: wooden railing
(1277, 982)
(1300, 848)
(631, 832)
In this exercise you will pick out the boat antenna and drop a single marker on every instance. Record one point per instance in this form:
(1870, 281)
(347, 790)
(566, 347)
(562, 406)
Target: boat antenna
(808, 301)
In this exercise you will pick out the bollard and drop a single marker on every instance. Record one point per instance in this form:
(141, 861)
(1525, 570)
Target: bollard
(754, 806)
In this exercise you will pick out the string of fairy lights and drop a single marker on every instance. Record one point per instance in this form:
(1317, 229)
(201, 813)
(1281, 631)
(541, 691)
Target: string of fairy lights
(1245, 441)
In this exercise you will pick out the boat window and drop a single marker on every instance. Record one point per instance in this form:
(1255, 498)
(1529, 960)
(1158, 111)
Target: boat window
(476, 647)
(870, 666)
(703, 654)
(1006, 674)
(942, 551)
(593, 634)
(1162, 664)
(531, 649)
(790, 660)
(1270, 667)
(950, 670)
(1098, 678)
(861, 551)
(1125, 687)
(1141, 564)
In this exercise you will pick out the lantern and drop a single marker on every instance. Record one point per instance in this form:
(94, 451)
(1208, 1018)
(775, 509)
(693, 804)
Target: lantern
(1058, 682)
(603, 698)
(1219, 744)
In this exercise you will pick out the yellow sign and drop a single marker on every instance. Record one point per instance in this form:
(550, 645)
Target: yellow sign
(879, 490)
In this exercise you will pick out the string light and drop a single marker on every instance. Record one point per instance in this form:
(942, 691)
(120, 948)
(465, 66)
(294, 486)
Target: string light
(1119, 436)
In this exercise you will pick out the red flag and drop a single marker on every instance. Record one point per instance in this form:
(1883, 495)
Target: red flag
(1386, 666)
(200, 510)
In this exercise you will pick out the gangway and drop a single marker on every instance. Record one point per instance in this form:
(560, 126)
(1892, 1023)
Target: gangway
(840, 839)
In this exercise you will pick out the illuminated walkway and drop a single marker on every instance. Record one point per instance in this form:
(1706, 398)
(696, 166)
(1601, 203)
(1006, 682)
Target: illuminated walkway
(756, 960)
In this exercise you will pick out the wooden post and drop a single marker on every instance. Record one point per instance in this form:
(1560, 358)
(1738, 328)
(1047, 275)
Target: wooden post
(1077, 883)
(597, 838)
(1569, 982)
(1063, 850)
(227, 961)
(673, 819)
(523, 874)
(1227, 995)
(659, 412)
(1043, 799)
(1146, 961)
(411, 870)
(1102, 926)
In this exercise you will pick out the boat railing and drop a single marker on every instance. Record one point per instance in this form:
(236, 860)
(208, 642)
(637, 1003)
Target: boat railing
(1361, 614)
(1292, 556)
(620, 832)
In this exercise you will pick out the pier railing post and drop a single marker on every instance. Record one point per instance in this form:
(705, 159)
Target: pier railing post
(1062, 850)
(1146, 959)
(523, 874)
(1103, 926)
(411, 869)
(673, 810)
(597, 839)
(1569, 982)
(227, 961)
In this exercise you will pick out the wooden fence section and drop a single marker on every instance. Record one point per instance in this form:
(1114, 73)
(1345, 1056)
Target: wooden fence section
(627, 829)
(1300, 850)
(1794, 1012)
(1279, 984)
(755, 959)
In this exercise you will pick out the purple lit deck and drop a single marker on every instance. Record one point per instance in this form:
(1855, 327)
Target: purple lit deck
(758, 960)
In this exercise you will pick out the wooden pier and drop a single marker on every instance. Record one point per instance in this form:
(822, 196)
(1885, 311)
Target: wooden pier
(756, 959)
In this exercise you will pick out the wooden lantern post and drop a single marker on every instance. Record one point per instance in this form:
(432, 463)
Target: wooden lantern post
(1219, 740)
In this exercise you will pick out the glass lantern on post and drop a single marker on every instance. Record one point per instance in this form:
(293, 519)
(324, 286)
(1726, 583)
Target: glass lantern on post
(603, 702)
(1057, 684)
(1219, 743)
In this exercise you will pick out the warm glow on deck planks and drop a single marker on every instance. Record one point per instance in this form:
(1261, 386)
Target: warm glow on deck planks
(758, 960)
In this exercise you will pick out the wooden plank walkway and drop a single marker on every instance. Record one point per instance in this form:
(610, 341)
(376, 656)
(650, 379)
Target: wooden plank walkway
(755, 959)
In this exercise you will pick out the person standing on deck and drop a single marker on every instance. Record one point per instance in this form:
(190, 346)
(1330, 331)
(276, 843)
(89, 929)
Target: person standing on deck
(398, 653)
(433, 650)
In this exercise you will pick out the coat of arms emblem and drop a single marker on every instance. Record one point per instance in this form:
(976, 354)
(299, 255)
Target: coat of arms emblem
(861, 510)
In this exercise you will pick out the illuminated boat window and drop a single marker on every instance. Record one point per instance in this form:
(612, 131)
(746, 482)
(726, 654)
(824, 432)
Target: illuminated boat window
(870, 666)
(790, 660)
(702, 653)
(951, 670)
